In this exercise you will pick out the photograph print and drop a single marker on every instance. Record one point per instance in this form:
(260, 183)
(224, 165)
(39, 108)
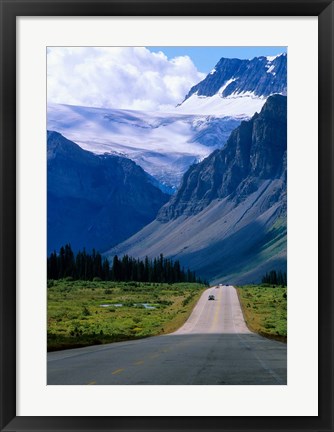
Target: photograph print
(167, 215)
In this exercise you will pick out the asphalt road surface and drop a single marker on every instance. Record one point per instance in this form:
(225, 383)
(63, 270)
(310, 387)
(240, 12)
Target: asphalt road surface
(213, 347)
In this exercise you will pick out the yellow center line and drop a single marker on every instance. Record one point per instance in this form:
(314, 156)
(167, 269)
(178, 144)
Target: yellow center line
(139, 362)
(91, 383)
(216, 315)
(117, 371)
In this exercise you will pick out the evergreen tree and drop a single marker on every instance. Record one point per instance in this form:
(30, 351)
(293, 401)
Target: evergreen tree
(53, 271)
(275, 278)
(105, 270)
(116, 269)
(85, 266)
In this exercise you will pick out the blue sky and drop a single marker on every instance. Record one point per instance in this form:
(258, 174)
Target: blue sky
(205, 58)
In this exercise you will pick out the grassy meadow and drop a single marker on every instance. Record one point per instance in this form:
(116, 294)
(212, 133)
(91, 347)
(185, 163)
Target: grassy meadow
(82, 313)
(265, 309)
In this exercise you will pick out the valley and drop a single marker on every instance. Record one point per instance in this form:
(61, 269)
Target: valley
(204, 183)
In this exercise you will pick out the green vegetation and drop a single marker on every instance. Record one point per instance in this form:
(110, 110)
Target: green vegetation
(85, 266)
(84, 313)
(265, 309)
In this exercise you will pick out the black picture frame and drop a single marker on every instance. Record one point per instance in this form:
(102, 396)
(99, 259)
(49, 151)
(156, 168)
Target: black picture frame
(10, 9)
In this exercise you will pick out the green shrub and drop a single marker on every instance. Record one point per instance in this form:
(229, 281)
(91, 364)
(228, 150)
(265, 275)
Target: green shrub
(85, 311)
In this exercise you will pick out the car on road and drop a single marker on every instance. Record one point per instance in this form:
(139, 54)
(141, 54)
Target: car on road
(211, 297)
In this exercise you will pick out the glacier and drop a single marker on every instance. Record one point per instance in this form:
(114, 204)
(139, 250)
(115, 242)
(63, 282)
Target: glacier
(164, 144)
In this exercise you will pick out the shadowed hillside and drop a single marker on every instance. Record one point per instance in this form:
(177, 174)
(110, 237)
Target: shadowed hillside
(228, 219)
(95, 201)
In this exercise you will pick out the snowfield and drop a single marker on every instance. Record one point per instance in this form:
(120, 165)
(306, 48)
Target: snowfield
(242, 105)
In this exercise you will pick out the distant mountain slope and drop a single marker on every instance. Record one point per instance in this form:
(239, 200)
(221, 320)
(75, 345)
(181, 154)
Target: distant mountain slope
(238, 86)
(228, 219)
(95, 201)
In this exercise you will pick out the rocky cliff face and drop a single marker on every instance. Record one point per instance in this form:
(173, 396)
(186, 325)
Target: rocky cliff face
(95, 201)
(261, 76)
(228, 219)
(255, 151)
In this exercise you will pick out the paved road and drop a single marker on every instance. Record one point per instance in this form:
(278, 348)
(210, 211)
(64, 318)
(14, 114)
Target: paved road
(213, 347)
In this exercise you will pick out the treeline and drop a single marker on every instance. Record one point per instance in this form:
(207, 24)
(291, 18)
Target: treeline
(87, 266)
(275, 278)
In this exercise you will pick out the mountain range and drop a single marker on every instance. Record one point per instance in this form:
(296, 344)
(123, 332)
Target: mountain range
(165, 144)
(228, 218)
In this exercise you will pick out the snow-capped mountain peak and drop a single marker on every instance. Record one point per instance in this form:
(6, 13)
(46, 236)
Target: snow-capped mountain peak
(223, 90)
(272, 58)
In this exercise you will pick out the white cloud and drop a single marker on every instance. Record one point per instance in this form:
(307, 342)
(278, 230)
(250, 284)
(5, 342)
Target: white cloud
(118, 77)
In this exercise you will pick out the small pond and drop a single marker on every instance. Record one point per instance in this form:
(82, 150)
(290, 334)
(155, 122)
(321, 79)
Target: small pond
(112, 304)
(145, 305)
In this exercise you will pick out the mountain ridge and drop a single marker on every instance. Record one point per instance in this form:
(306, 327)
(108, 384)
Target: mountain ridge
(262, 76)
